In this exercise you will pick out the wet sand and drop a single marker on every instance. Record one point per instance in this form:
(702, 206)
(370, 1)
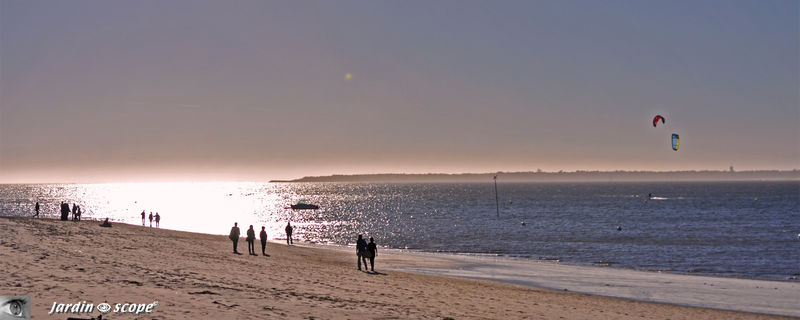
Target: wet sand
(195, 276)
(759, 296)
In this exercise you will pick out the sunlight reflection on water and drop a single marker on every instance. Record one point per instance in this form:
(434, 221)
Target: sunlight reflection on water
(197, 207)
(691, 227)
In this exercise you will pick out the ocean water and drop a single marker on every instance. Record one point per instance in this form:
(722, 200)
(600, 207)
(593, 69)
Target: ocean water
(737, 229)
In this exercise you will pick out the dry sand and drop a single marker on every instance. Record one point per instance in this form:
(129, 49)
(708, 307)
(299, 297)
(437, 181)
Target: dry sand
(195, 276)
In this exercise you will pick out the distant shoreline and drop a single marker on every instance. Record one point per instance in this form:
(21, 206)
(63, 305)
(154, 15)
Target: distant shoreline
(575, 176)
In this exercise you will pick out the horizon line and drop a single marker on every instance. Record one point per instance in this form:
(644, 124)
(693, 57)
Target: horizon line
(560, 172)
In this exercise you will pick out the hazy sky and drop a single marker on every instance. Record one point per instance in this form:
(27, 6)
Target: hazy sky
(257, 90)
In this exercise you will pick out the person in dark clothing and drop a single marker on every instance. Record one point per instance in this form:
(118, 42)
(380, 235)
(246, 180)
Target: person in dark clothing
(158, 219)
(64, 211)
(78, 213)
(142, 218)
(289, 229)
(151, 219)
(251, 237)
(361, 248)
(234, 236)
(263, 236)
(74, 211)
(37, 209)
(372, 252)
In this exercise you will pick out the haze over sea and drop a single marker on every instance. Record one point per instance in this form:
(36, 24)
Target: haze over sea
(739, 229)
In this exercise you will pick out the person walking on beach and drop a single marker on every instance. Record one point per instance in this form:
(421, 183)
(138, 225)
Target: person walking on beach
(361, 248)
(372, 252)
(251, 238)
(37, 209)
(289, 229)
(142, 218)
(158, 219)
(74, 210)
(234, 236)
(151, 219)
(263, 236)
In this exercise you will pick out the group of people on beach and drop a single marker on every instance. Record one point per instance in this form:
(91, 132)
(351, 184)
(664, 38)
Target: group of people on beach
(157, 217)
(76, 214)
(251, 238)
(364, 250)
(65, 211)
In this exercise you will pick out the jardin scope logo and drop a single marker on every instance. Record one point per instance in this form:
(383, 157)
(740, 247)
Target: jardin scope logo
(103, 308)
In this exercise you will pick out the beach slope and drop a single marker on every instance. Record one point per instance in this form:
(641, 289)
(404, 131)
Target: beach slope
(194, 276)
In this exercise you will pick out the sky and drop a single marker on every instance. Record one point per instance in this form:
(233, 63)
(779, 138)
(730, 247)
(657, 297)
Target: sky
(115, 91)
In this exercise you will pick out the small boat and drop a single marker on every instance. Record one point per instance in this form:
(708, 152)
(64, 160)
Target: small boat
(302, 205)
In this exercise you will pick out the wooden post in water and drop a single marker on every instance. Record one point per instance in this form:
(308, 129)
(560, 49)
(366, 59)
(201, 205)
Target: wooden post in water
(496, 202)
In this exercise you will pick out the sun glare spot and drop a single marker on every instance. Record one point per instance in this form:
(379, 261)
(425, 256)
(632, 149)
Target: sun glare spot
(198, 207)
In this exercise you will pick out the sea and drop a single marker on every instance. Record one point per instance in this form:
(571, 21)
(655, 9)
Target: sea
(730, 229)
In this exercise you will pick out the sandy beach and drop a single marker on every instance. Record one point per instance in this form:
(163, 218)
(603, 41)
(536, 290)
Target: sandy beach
(194, 276)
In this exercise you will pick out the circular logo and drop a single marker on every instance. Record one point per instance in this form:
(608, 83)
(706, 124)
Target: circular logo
(104, 308)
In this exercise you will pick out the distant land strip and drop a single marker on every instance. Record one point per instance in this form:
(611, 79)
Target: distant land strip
(575, 176)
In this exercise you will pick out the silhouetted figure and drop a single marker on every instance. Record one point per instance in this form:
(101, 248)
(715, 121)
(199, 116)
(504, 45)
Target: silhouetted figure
(263, 236)
(361, 248)
(372, 252)
(158, 219)
(142, 218)
(289, 229)
(64, 211)
(37, 209)
(234, 236)
(106, 224)
(78, 213)
(251, 238)
(151, 219)
(74, 210)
